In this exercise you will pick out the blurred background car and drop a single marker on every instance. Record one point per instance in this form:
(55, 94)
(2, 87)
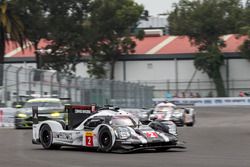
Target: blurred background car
(48, 108)
(189, 116)
(168, 112)
(179, 115)
(141, 114)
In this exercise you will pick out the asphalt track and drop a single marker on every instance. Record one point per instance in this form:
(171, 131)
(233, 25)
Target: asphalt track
(221, 138)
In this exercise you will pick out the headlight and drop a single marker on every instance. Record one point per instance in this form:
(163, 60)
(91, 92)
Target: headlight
(122, 133)
(55, 114)
(22, 115)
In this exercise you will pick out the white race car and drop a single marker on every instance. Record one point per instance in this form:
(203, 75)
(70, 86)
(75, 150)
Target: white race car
(106, 130)
(179, 115)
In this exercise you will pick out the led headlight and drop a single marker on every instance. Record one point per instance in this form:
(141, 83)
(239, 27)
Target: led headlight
(122, 133)
(55, 114)
(21, 115)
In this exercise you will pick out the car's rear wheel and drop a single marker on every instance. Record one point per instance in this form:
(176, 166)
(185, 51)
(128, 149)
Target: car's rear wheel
(105, 139)
(46, 138)
(190, 124)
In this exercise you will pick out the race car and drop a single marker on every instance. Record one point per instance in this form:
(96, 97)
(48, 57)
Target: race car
(106, 130)
(141, 114)
(189, 116)
(49, 108)
(179, 115)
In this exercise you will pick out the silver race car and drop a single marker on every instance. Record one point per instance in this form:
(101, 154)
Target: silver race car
(105, 129)
(179, 115)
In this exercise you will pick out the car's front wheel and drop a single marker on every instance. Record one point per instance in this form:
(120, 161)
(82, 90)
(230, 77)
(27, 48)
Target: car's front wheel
(46, 138)
(105, 139)
(190, 124)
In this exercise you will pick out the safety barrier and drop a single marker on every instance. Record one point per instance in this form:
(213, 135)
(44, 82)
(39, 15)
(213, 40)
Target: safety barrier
(227, 101)
(7, 116)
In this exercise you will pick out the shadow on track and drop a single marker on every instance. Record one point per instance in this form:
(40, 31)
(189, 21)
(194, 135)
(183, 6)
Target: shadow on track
(91, 150)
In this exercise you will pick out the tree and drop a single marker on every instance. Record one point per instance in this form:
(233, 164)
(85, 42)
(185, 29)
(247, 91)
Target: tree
(245, 30)
(67, 19)
(61, 23)
(11, 29)
(111, 23)
(33, 16)
(205, 22)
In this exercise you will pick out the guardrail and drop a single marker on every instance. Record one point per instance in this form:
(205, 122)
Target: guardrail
(7, 117)
(226, 101)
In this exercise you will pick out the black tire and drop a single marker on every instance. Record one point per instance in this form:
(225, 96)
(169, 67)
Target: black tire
(46, 138)
(181, 124)
(105, 139)
(190, 124)
(17, 127)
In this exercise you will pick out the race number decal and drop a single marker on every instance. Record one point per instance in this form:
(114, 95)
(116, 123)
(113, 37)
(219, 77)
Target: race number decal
(89, 139)
(152, 135)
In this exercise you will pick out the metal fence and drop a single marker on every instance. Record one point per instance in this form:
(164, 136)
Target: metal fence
(20, 83)
(198, 88)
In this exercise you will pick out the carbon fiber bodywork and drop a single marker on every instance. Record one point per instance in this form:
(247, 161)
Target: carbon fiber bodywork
(126, 146)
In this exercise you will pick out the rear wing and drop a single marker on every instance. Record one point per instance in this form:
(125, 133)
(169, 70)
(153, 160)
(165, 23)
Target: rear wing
(78, 113)
(35, 114)
(74, 114)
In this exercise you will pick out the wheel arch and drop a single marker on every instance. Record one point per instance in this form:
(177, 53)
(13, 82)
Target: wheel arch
(54, 126)
(111, 131)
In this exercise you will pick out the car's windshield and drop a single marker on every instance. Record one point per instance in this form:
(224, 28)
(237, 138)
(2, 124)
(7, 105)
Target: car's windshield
(43, 104)
(122, 121)
(163, 109)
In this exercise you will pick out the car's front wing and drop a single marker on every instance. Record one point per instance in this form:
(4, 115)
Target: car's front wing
(123, 147)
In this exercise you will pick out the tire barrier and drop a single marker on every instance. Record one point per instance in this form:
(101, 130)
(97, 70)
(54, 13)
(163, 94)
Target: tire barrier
(7, 116)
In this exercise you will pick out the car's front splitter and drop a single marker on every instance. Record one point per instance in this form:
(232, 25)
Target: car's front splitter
(125, 147)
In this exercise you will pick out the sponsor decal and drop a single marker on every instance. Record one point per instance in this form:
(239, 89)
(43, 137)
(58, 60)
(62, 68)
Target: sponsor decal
(63, 137)
(208, 101)
(89, 139)
(151, 135)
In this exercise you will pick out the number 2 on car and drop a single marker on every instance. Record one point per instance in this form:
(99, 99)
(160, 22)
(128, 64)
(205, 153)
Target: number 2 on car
(89, 139)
